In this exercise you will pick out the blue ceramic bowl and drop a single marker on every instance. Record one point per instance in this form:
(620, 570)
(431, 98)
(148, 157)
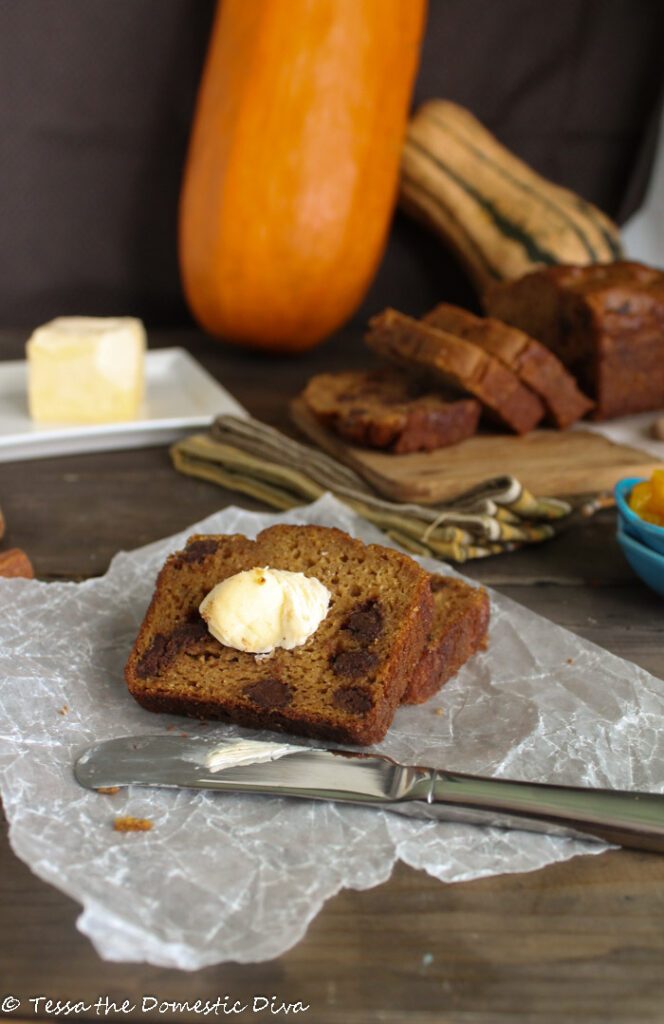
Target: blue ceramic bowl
(647, 533)
(646, 563)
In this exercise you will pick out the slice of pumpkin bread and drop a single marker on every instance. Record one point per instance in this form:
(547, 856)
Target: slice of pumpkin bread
(343, 684)
(459, 629)
(458, 364)
(385, 408)
(532, 362)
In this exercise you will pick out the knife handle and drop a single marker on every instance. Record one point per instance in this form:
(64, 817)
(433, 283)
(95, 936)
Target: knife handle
(633, 820)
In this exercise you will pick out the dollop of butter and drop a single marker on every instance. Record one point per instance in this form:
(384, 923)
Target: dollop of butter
(261, 609)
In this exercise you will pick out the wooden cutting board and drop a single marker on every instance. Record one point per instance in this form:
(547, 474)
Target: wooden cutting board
(547, 462)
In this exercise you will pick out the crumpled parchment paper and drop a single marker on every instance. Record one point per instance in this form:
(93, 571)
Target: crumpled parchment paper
(633, 431)
(240, 877)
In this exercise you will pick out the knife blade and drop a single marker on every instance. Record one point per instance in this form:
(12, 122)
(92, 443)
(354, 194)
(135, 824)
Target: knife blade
(622, 818)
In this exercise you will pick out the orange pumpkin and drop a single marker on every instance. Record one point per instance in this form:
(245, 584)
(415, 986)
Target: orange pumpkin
(292, 170)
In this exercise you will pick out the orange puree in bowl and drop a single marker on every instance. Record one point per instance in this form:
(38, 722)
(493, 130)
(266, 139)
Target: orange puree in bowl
(647, 499)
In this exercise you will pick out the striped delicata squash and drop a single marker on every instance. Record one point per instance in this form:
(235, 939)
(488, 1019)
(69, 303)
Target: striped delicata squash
(500, 217)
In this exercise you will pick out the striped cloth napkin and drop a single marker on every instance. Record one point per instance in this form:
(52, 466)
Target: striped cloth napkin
(499, 515)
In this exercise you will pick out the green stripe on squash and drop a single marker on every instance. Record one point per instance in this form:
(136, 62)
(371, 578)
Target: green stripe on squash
(501, 217)
(410, 185)
(508, 228)
(522, 186)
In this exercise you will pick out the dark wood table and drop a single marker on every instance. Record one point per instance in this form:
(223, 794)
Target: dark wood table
(581, 940)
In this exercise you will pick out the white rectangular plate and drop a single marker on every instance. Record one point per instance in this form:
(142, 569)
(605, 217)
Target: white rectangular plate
(179, 396)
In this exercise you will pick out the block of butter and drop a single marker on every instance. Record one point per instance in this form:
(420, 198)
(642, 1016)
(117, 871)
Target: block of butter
(84, 369)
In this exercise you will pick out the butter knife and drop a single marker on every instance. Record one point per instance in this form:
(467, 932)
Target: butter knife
(617, 817)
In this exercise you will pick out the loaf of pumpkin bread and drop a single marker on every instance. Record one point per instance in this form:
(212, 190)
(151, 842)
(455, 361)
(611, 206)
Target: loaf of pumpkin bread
(605, 322)
(342, 684)
(457, 364)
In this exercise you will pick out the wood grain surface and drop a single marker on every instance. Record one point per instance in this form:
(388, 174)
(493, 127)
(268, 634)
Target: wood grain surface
(577, 941)
(561, 462)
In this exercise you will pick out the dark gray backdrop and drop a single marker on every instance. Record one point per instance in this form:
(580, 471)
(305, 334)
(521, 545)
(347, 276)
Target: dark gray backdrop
(96, 99)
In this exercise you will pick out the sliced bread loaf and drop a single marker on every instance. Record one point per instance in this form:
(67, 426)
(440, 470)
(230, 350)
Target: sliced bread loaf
(532, 362)
(458, 364)
(605, 322)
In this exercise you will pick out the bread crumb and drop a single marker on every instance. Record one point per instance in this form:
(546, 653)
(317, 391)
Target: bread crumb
(109, 789)
(127, 823)
(64, 710)
(570, 661)
(439, 711)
